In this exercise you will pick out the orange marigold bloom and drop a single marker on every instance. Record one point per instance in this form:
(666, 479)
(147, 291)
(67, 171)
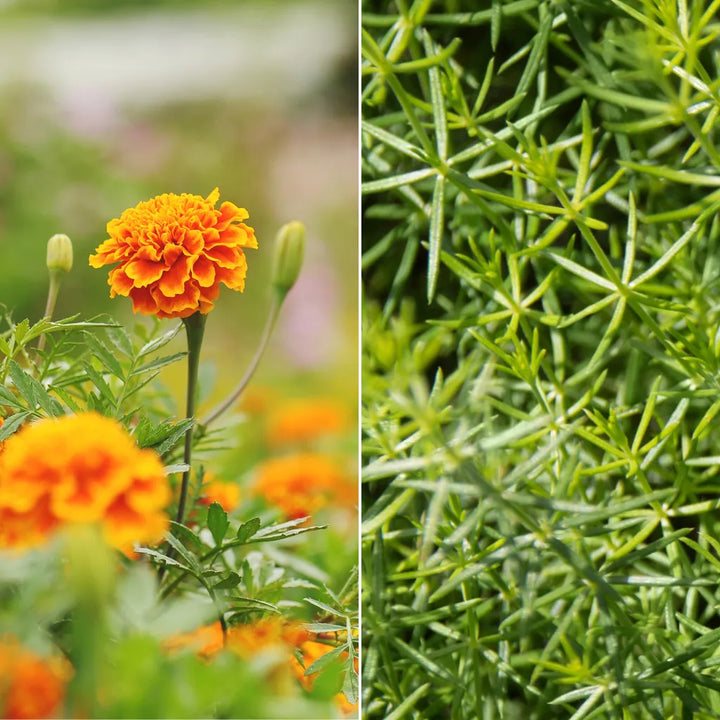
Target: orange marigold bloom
(174, 251)
(80, 469)
(303, 483)
(227, 495)
(311, 651)
(249, 639)
(302, 421)
(244, 640)
(30, 686)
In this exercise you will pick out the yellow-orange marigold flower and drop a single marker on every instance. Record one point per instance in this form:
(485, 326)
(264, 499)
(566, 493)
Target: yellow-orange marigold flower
(226, 494)
(306, 420)
(245, 640)
(311, 651)
(81, 468)
(303, 483)
(30, 686)
(249, 639)
(174, 251)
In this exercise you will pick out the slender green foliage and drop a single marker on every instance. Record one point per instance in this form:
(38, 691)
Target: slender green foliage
(541, 357)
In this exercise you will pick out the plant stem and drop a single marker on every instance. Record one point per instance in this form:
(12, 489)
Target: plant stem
(53, 291)
(194, 328)
(231, 399)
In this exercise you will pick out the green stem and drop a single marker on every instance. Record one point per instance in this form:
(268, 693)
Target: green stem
(194, 328)
(53, 291)
(231, 399)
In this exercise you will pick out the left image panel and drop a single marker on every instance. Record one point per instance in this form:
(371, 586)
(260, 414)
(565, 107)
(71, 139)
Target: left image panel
(178, 359)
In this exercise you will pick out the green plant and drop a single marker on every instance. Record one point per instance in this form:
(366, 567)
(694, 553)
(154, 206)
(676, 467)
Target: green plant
(540, 534)
(237, 583)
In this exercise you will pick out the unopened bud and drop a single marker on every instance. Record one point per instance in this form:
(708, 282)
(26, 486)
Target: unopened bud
(288, 258)
(59, 254)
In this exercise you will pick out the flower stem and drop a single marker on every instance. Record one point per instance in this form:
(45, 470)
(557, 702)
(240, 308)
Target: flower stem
(53, 291)
(194, 328)
(231, 399)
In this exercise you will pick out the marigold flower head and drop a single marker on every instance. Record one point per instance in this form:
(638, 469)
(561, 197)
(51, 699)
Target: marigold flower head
(250, 639)
(30, 686)
(312, 651)
(305, 420)
(80, 469)
(226, 494)
(245, 640)
(302, 483)
(174, 251)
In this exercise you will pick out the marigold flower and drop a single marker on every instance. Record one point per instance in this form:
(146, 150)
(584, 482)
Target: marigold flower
(80, 469)
(174, 251)
(245, 640)
(227, 495)
(305, 420)
(303, 483)
(250, 639)
(30, 686)
(311, 651)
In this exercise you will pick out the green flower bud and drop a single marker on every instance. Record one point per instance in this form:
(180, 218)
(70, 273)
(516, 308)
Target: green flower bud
(288, 258)
(59, 254)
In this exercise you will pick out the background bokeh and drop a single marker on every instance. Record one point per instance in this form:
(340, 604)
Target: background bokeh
(105, 103)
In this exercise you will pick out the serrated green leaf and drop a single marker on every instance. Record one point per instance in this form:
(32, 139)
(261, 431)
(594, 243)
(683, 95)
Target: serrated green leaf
(217, 521)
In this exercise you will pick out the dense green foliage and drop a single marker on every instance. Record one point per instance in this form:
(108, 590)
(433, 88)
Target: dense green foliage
(541, 357)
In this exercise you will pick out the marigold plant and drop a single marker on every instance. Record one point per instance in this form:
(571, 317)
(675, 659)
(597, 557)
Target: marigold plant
(174, 251)
(81, 468)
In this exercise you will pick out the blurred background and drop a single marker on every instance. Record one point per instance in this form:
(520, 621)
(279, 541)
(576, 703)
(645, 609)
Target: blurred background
(104, 103)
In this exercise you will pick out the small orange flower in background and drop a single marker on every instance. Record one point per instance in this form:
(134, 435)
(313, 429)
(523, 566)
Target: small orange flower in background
(226, 494)
(311, 651)
(77, 469)
(303, 483)
(250, 639)
(30, 686)
(256, 400)
(305, 420)
(245, 640)
(174, 251)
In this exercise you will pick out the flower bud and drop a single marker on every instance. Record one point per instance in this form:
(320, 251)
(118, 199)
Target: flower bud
(59, 254)
(288, 258)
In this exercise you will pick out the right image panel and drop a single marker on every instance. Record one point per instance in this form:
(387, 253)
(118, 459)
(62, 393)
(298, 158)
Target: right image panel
(541, 359)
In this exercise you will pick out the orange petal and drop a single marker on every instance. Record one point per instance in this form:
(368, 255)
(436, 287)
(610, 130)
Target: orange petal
(204, 271)
(120, 283)
(144, 272)
(174, 279)
(143, 301)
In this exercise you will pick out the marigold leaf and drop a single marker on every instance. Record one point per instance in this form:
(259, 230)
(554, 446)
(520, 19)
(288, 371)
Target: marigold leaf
(158, 362)
(12, 424)
(217, 521)
(325, 660)
(23, 384)
(186, 535)
(351, 682)
(248, 529)
(229, 582)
